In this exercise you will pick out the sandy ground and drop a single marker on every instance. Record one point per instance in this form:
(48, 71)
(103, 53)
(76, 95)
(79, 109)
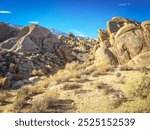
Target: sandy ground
(86, 96)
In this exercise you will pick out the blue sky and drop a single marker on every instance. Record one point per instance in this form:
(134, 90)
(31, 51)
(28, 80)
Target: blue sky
(82, 17)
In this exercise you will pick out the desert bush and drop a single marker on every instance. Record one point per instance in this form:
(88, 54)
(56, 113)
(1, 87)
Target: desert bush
(108, 89)
(21, 99)
(70, 86)
(4, 83)
(44, 102)
(3, 98)
(4, 95)
(98, 84)
(137, 105)
(137, 85)
(72, 66)
(98, 70)
(118, 74)
(34, 90)
(23, 95)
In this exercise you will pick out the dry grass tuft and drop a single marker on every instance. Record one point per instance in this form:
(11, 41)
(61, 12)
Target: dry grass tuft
(137, 85)
(62, 76)
(4, 95)
(22, 97)
(4, 83)
(70, 86)
(44, 102)
(118, 74)
(136, 106)
(98, 84)
(137, 91)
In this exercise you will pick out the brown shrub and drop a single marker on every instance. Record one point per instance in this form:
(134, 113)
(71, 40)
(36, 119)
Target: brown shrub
(21, 99)
(4, 83)
(137, 105)
(70, 86)
(44, 102)
(118, 74)
(137, 85)
(3, 98)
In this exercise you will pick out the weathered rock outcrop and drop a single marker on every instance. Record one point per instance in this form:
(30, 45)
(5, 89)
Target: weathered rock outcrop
(103, 35)
(116, 23)
(36, 39)
(129, 41)
(31, 51)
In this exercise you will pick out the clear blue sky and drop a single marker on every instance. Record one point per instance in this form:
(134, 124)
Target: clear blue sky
(82, 17)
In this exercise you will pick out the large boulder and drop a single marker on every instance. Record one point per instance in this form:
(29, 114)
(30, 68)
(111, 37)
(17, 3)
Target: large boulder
(129, 42)
(141, 60)
(105, 56)
(117, 22)
(146, 27)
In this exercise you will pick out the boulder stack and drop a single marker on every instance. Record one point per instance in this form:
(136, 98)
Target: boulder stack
(129, 43)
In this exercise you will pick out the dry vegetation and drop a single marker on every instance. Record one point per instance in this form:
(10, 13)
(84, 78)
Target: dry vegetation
(44, 102)
(82, 88)
(137, 90)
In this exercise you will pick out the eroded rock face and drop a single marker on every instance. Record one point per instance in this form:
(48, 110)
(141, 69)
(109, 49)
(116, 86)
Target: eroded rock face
(128, 40)
(116, 23)
(103, 35)
(140, 60)
(146, 27)
(32, 48)
(36, 39)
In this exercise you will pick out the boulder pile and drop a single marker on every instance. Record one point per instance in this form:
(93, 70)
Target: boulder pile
(125, 42)
(30, 51)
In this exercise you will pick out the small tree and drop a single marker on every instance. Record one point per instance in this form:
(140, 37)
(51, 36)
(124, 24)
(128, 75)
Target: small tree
(71, 35)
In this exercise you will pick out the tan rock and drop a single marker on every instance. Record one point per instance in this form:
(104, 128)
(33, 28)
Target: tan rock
(102, 35)
(129, 42)
(117, 22)
(105, 56)
(141, 60)
(146, 26)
